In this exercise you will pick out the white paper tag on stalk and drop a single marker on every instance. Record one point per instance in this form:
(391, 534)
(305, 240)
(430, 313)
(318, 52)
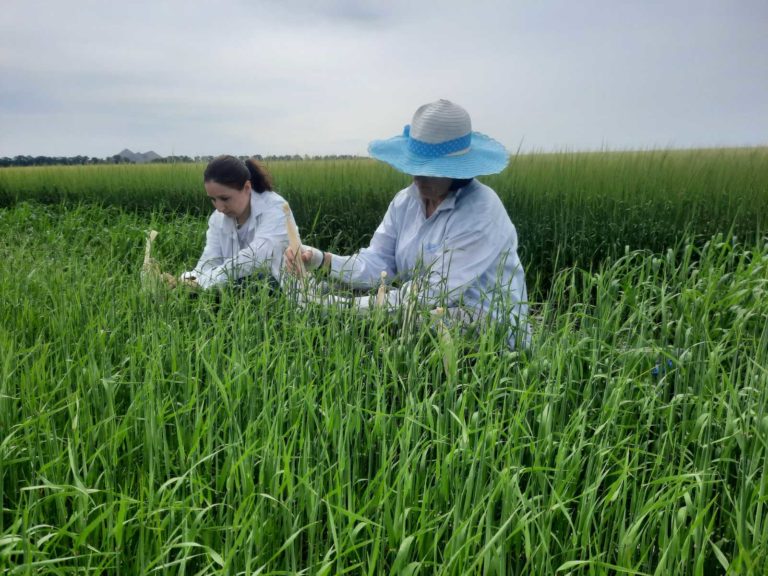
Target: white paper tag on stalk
(381, 294)
(153, 281)
(150, 269)
(294, 241)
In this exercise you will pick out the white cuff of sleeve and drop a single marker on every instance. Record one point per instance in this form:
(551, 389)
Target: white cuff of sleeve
(316, 260)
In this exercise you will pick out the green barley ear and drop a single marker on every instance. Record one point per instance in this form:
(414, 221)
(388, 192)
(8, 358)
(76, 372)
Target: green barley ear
(447, 346)
(408, 305)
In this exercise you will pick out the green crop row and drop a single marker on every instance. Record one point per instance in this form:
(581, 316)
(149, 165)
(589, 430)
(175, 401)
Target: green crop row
(569, 208)
(237, 433)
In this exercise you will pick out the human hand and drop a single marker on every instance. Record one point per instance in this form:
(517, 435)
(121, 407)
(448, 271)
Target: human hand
(312, 258)
(169, 279)
(187, 280)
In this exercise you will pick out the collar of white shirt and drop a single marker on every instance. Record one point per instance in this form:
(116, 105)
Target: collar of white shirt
(449, 203)
(258, 205)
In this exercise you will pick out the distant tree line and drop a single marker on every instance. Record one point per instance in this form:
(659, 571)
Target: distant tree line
(53, 160)
(268, 158)
(118, 159)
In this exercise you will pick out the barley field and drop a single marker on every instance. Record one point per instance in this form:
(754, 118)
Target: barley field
(237, 433)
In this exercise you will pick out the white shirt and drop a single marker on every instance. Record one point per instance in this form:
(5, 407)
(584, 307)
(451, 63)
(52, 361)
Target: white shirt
(231, 253)
(463, 255)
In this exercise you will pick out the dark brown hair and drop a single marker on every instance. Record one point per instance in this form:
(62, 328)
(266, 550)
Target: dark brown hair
(232, 172)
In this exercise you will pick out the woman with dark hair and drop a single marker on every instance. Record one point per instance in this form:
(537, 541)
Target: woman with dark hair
(247, 232)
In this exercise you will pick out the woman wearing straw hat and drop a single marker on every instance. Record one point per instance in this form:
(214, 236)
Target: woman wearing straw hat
(246, 233)
(446, 235)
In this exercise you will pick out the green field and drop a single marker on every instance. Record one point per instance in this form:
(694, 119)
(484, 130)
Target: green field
(236, 433)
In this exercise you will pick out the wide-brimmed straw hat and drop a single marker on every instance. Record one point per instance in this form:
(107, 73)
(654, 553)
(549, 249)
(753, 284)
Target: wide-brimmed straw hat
(440, 142)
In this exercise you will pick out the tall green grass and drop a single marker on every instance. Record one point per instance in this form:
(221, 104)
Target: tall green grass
(569, 208)
(239, 434)
(583, 207)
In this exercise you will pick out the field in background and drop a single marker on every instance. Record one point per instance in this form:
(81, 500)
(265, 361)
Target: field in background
(569, 208)
(238, 434)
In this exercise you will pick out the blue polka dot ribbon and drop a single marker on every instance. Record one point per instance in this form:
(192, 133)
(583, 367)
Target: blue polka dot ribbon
(429, 150)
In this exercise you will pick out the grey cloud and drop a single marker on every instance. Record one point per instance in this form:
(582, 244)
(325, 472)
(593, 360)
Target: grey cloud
(327, 77)
(348, 12)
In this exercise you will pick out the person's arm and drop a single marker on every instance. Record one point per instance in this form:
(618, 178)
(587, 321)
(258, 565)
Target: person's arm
(477, 253)
(363, 269)
(263, 251)
(211, 257)
(266, 248)
(450, 271)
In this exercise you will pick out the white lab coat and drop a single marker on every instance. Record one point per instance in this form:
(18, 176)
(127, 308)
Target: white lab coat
(464, 254)
(259, 244)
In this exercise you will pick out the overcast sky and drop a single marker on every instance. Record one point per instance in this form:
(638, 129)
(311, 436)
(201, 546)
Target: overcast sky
(312, 77)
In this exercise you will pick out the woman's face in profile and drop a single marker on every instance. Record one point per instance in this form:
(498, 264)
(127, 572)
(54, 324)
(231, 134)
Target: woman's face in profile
(229, 201)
